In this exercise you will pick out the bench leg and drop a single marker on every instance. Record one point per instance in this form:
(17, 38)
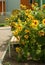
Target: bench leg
(0, 63)
(9, 50)
(12, 45)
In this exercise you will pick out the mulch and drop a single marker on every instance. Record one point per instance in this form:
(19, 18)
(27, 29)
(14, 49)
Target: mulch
(12, 60)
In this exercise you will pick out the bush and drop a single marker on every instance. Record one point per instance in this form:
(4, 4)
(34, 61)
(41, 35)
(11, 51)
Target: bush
(29, 27)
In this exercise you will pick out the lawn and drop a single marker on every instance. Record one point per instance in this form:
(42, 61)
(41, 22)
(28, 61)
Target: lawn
(3, 24)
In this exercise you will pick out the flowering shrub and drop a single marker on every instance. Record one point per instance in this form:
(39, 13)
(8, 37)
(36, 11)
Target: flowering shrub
(29, 26)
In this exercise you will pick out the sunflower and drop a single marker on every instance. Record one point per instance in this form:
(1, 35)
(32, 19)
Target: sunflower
(43, 6)
(12, 24)
(22, 42)
(18, 49)
(7, 19)
(33, 6)
(26, 13)
(30, 16)
(27, 31)
(41, 33)
(23, 7)
(36, 4)
(26, 36)
(34, 24)
(15, 32)
(12, 16)
(19, 20)
(27, 10)
(43, 21)
(19, 26)
(27, 19)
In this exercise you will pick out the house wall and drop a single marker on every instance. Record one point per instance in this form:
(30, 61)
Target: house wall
(12, 4)
(15, 4)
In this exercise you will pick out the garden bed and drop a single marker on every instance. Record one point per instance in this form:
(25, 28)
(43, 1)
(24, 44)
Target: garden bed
(12, 60)
(28, 25)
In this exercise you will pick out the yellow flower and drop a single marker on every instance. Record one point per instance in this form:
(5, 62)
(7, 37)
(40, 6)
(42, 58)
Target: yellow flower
(32, 5)
(26, 36)
(43, 6)
(25, 22)
(30, 16)
(22, 42)
(18, 49)
(34, 24)
(26, 13)
(27, 31)
(15, 12)
(19, 20)
(43, 22)
(12, 24)
(27, 10)
(28, 54)
(19, 26)
(36, 4)
(15, 32)
(28, 19)
(41, 33)
(7, 19)
(12, 16)
(23, 6)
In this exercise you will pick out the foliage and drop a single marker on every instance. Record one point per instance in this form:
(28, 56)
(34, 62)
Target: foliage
(7, 63)
(1, 25)
(29, 26)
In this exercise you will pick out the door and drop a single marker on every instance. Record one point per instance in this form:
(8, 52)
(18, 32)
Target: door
(2, 6)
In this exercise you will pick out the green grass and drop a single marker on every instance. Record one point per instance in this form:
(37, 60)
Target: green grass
(3, 24)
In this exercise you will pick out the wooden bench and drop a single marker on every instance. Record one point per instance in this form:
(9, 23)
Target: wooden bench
(14, 40)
